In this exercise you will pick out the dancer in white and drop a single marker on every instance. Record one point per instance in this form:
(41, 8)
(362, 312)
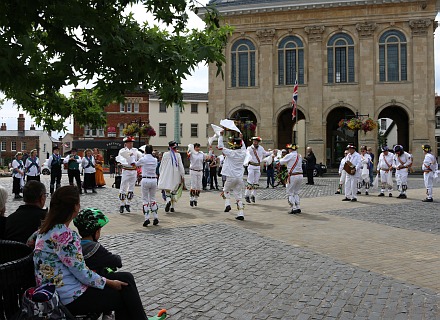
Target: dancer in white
(196, 158)
(384, 168)
(256, 153)
(429, 168)
(127, 157)
(293, 161)
(148, 185)
(353, 162)
(342, 173)
(233, 170)
(171, 175)
(365, 171)
(32, 166)
(402, 161)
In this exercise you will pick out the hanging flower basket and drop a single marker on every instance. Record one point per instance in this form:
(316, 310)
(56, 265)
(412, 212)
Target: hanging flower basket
(145, 131)
(357, 124)
(369, 125)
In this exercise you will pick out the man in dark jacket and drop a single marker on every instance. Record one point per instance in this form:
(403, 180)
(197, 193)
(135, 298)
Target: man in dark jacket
(21, 224)
(310, 166)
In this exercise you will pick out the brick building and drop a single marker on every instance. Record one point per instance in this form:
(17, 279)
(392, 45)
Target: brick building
(119, 115)
(13, 141)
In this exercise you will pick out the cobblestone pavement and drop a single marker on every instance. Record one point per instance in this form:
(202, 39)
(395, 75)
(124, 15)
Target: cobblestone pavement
(358, 262)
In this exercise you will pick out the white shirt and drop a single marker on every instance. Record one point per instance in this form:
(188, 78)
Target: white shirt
(32, 169)
(148, 164)
(233, 163)
(385, 161)
(134, 155)
(85, 164)
(429, 163)
(261, 153)
(17, 165)
(290, 159)
(341, 165)
(404, 160)
(355, 160)
(196, 160)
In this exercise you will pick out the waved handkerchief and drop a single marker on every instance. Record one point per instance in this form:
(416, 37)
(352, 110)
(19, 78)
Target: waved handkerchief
(229, 124)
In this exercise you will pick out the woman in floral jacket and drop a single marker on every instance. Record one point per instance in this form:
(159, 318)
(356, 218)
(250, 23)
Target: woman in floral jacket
(58, 259)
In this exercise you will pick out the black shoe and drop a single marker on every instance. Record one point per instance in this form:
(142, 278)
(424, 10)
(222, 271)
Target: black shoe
(241, 218)
(248, 200)
(85, 190)
(296, 211)
(403, 196)
(216, 188)
(381, 195)
(227, 208)
(428, 200)
(94, 191)
(358, 192)
(121, 209)
(390, 195)
(155, 222)
(167, 207)
(146, 223)
(191, 203)
(195, 203)
(17, 197)
(253, 199)
(172, 210)
(290, 211)
(345, 199)
(267, 187)
(127, 207)
(338, 192)
(354, 200)
(366, 193)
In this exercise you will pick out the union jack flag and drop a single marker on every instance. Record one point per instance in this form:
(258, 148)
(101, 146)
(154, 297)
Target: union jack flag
(294, 99)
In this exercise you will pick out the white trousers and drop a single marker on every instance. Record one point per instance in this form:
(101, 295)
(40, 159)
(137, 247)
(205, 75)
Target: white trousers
(234, 185)
(351, 186)
(428, 178)
(149, 187)
(128, 180)
(292, 190)
(384, 177)
(254, 174)
(402, 180)
(196, 179)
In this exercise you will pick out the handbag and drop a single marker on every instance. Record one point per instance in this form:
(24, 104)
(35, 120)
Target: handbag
(42, 302)
(349, 168)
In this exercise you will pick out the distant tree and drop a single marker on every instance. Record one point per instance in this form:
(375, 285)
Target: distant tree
(46, 44)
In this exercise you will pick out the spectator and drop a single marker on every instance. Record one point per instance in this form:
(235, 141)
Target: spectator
(213, 172)
(99, 173)
(371, 167)
(54, 164)
(3, 200)
(21, 224)
(73, 161)
(310, 166)
(112, 163)
(58, 259)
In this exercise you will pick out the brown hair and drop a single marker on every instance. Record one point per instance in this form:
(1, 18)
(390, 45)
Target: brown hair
(62, 206)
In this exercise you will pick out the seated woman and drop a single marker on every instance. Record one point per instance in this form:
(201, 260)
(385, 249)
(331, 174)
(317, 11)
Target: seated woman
(58, 259)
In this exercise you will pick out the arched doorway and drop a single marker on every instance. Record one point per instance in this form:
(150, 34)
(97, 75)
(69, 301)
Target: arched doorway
(394, 126)
(286, 126)
(246, 121)
(338, 138)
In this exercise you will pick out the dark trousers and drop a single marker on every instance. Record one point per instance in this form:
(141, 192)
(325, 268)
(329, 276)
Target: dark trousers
(30, 178)
(310, 176)
(89, 181)
(55, 177)
(126, 303)
(213, 177)
(270, 177)
(16, 187)
(74, 174)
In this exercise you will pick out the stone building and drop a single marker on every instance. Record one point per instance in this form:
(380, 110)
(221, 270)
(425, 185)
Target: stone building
(371, 58)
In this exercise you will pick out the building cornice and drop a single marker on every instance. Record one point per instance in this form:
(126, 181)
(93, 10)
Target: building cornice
(240, 7)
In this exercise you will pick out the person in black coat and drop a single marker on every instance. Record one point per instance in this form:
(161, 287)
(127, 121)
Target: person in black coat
(310, 165)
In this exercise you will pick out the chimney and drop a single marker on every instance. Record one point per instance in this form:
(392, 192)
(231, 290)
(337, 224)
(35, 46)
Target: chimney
(32, 127)
(3, 127)
(20, 123)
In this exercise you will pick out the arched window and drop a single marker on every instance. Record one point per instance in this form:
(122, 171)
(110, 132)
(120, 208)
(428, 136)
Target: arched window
(392, 56)
(340, 55)
(243, 64)
(290, 61)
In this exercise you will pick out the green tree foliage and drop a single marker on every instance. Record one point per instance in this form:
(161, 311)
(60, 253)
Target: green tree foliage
(46, 44)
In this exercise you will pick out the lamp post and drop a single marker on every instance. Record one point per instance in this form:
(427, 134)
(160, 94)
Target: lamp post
(139, 123)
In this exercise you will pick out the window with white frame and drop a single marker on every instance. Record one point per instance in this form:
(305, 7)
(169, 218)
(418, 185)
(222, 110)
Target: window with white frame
(136, 107)
(121, 107)
(93, 132)
(3, 146)
(162, 107)
(194, 130)
(121, 127)
(129, 104)
(13, 146)
(162, 129)
(23, 146)
(194, 108)
(437, 120)
(383, 124)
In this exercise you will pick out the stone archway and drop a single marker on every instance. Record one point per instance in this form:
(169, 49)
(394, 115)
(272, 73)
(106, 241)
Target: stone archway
(246, 121)
(395, 128)
(286, 126)
(338, 138)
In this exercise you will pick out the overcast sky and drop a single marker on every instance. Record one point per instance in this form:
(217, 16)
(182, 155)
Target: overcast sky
(198, 82)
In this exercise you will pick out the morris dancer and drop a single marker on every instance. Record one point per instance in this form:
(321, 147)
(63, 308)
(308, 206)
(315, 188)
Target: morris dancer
(17, 175)
(401, 162)
(88, 163)
(365, 171)
(256, 153)
(429, 167)
(196, 158)
(171, 174)
(353, 176)
(384, 167)
(149, 185)
(32, 166)
(342, 173)
(233, 170)
(54, 164)
(73, 162)
(293, 161)
(129, 173)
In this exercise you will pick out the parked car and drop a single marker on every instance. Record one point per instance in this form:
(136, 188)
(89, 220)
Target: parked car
(319, 169)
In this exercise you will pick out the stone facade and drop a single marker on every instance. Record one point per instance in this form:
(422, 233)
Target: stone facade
(322, 103)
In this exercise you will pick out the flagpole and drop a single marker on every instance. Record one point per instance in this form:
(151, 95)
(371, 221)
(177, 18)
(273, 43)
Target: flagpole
(295, 106)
